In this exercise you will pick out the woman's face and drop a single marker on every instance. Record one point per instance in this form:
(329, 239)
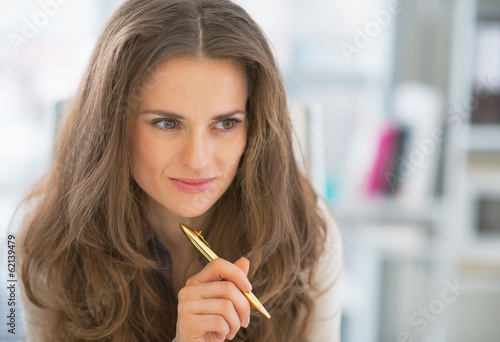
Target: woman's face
(189, 133)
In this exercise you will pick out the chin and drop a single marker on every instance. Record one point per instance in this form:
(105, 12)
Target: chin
(191, 210)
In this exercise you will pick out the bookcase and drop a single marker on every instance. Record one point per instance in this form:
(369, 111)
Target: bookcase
(473, 181)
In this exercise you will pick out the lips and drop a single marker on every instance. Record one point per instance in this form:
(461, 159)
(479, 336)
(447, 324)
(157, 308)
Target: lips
(192, 185)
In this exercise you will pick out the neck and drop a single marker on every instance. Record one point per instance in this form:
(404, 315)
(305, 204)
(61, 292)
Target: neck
(166, 225)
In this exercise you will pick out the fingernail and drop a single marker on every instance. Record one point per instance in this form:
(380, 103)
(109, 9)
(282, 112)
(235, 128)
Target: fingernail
(248, 286)
(246, 323)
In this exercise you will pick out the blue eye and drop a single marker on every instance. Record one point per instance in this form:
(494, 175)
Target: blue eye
(227, 124)
(166, 123)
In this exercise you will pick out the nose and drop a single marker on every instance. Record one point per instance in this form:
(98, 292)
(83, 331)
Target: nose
(195, 152)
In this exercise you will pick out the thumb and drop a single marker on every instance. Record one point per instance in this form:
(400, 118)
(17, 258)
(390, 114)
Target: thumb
(244, 264)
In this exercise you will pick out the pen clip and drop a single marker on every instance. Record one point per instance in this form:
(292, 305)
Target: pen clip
(202, 238)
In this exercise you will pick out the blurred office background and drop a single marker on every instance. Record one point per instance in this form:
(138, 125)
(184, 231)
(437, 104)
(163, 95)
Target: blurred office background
(396, 105)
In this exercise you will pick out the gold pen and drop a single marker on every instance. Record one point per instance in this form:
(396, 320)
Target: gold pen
(199, 242)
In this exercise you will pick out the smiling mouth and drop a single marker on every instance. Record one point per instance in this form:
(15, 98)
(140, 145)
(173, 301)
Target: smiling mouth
(192, 185)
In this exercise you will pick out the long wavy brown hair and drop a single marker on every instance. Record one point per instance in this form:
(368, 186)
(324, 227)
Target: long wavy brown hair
(83, 253)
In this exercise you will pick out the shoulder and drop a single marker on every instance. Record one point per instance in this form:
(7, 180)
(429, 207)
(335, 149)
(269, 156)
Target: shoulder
(38, 322)
(328, 313)
(330, 263)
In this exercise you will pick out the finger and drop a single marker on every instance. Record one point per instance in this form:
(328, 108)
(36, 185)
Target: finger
(223, 290)
(221, 307)
(244, 264)
(220, 269)
(197, 326)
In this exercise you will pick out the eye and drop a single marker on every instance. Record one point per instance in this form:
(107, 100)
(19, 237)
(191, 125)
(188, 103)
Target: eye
(167, 123)
(227, 124)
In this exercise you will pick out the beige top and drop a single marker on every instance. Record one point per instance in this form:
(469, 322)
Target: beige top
(37, 322)
(326, 326)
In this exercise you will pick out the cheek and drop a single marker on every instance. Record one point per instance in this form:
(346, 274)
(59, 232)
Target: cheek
(232, 155)
(137, 145)
(143, 152)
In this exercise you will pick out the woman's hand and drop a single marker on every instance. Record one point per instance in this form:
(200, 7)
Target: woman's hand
(211, 305)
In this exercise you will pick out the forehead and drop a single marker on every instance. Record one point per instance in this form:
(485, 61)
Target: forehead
(193, 83)
(187, 75)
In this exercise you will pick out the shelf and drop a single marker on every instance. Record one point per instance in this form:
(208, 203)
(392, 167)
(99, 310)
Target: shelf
(388, 210)
(484, 138)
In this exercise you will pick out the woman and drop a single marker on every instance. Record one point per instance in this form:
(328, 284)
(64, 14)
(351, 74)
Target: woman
(181, 117)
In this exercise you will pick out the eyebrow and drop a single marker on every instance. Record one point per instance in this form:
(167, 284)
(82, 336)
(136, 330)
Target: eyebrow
(180, 117)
